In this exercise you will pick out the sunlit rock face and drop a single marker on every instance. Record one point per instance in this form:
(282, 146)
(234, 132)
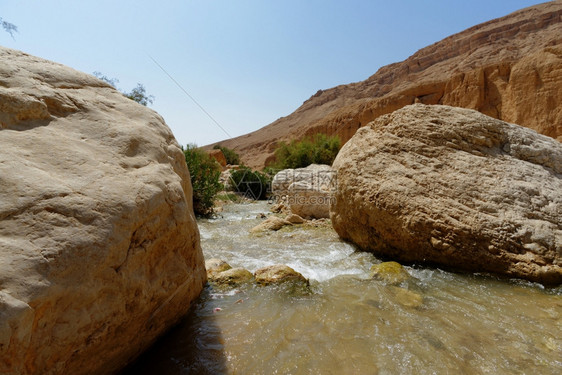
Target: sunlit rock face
(306, 191)
(99, 248)
(453, 187)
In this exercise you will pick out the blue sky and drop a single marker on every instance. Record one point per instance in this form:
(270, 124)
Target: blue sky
(247, 62)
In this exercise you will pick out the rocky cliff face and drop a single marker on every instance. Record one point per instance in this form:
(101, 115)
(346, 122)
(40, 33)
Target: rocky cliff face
(509, 68)
(453, 187)
(99, 248)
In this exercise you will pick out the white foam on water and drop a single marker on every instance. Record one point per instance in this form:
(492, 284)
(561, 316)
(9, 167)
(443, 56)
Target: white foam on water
(318, 254)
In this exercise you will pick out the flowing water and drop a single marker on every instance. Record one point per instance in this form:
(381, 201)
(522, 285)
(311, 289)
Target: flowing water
(437, 322)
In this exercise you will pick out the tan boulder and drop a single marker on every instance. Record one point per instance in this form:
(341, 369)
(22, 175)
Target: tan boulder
(277, 274)
(215, 266)
(221, 273)
(307, 191)
(233, 276)
(99, 248)
(294, 219)
(454, 187)
(272, 223)
(389, 272)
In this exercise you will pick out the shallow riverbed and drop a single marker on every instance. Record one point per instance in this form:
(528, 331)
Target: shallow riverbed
(437, 322)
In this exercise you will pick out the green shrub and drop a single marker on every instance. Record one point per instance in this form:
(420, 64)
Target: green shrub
(138, 94)
(320, 149)
(204, 172)
(253, 184)
(230, 155)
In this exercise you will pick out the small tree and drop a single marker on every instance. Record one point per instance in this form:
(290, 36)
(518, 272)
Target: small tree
(320, 149)
(10, 28)
(138, 94)
(205, 173)
(112, 81)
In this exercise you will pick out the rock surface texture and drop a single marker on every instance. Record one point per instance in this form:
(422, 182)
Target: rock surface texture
(219, 157)
(453, 187)
(99, 248)
(272, 223)
(509, 68)
(277, 274)
(306, 191)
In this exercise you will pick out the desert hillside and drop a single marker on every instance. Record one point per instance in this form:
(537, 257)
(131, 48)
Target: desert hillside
(509, 68)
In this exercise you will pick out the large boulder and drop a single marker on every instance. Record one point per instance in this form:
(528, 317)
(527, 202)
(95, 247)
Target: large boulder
(453, 187)
(99, 248)
(307, 191)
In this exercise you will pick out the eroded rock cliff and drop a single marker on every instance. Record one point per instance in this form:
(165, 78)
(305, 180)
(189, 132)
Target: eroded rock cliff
(509, 68)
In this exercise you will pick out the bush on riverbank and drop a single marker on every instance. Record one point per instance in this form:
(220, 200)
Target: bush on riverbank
(253, 184)
(319, 149)
(204, 172)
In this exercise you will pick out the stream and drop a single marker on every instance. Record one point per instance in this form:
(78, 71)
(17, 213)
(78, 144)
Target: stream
(437, 322)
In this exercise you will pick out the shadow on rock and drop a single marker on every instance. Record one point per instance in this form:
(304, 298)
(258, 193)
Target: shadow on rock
(194, 346)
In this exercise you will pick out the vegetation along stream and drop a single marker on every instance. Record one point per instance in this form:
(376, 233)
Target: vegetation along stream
(435, 322)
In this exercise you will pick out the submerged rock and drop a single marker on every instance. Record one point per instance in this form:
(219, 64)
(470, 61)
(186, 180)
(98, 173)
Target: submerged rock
(221, 273)
(215, 266)
(294, 219)
(453, 187)
(389, 272)
(278, 274)
(233, 276)
(406, 297)
(99, 248)
(272, 223)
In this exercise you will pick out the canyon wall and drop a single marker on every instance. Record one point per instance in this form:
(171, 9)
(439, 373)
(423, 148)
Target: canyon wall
(509, 68)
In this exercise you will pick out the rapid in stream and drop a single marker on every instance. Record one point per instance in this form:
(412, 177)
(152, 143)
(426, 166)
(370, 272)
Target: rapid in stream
(437, 322)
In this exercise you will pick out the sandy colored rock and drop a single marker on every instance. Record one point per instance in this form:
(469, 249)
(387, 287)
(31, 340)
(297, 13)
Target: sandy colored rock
(233, 276)
(215, 266)
(294, 219)
(272, 223)
(99, 248)
(280, 207)
(406, 297)
(278, 273)
(389, 272)
(509, 68)
(306, 191)
(226, 180)
(218, 156)
(454, 187)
